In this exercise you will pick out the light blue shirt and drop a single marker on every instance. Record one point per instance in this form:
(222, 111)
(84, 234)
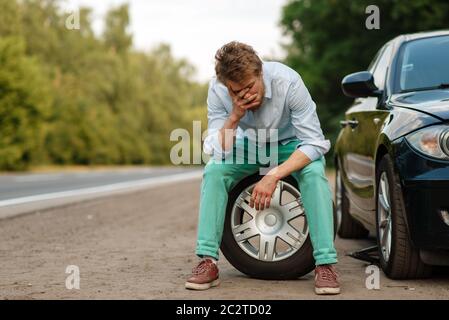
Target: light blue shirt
(287, 107)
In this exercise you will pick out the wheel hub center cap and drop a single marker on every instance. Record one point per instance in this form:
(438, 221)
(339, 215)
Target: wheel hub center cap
(270, 219)
(269, 222)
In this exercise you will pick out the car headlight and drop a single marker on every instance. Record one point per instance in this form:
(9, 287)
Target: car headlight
(432, 141)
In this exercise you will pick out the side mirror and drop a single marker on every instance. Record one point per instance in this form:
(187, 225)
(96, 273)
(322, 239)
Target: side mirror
(360, 85)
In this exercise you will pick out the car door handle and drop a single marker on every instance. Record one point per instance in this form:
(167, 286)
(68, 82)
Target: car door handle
(353, 123)
(343, 123)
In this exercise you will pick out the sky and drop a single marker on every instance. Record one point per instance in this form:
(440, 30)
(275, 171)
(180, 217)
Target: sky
(195, 29)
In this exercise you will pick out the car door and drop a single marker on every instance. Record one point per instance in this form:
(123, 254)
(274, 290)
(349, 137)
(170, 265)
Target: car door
(363, 123)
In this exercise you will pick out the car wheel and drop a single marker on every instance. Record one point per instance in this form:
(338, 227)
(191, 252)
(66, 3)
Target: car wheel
(270, 244)
(348, 227)
(398, 258)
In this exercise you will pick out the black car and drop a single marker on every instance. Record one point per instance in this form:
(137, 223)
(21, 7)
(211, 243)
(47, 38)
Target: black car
(392, 155)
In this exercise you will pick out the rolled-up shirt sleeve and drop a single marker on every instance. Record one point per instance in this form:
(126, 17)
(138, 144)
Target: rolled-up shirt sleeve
(216, 118)
(305, 121)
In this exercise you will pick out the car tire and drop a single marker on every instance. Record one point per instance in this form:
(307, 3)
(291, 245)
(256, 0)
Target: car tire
(293, 267)
(348, 227)
(403, 260)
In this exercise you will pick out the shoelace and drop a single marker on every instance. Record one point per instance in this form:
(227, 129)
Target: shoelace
(201, 267)
(328, 273)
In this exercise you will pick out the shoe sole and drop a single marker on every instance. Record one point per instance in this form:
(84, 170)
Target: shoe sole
(322, 291)
(202, 286)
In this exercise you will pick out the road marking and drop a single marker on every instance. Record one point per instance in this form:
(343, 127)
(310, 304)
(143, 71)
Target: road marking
(136, 184)
(38, 177)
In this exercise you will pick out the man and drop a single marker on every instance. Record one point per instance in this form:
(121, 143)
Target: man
(250, 94)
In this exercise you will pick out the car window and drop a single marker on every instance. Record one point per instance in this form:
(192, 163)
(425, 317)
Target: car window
(425, 64)
(380, 70)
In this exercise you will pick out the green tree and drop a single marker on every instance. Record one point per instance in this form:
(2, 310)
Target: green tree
(24, 104)
(116, 35)
(71, 97)
(9, 18)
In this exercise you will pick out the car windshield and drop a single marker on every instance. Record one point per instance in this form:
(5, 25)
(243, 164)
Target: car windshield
(425, 64)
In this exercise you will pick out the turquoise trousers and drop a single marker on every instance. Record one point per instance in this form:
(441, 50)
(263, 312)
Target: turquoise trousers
(221, 176)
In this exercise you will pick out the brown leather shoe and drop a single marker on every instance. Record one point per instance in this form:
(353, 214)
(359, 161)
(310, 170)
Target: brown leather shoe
(326, 280)
(204, 276)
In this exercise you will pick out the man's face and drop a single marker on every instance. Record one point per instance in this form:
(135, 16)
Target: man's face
(254, 85)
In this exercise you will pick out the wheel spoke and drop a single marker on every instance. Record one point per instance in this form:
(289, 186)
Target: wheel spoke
(247, 195)
(293, 243)
(387, 190)
(383, 223)
(292, 210)
(244, 226)
(384, 216)
(385, 202)
(388, 226)
(295, 234)
(247, 234)
(291, 205)
(384, 238)
(266, 248)
(388, 243)
(241, 203)
(277, 194)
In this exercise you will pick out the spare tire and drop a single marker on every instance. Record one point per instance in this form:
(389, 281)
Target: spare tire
(274, 243)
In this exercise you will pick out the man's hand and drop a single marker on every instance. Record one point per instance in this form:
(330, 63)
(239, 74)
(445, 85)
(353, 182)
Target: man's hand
(262, 192)
(264, 189)
(242, 101)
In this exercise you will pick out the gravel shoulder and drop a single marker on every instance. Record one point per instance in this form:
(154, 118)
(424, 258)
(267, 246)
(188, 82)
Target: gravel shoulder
(141, 246)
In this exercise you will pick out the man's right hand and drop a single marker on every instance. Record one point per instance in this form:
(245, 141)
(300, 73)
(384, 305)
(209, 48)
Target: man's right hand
(241, 102)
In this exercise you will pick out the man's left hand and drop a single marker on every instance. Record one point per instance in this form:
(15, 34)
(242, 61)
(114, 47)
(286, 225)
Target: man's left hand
(262, 192)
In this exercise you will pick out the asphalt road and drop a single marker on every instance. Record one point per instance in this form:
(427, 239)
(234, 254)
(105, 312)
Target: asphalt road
(22, 185)
(141, 245)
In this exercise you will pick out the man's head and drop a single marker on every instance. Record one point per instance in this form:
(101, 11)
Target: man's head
(239, 68)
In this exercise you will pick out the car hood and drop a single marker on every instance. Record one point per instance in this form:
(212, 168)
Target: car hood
(432, 102)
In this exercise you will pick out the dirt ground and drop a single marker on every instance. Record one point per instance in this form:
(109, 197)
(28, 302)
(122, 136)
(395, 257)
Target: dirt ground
(141, 246)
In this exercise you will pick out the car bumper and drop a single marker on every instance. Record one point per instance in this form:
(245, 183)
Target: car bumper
(425, 185)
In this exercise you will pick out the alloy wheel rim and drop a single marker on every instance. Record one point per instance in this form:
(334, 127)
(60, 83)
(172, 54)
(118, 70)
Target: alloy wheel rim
(384, 222)
(272, 234)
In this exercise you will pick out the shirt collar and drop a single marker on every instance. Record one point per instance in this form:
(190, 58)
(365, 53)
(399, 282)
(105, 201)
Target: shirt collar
(266, 81)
